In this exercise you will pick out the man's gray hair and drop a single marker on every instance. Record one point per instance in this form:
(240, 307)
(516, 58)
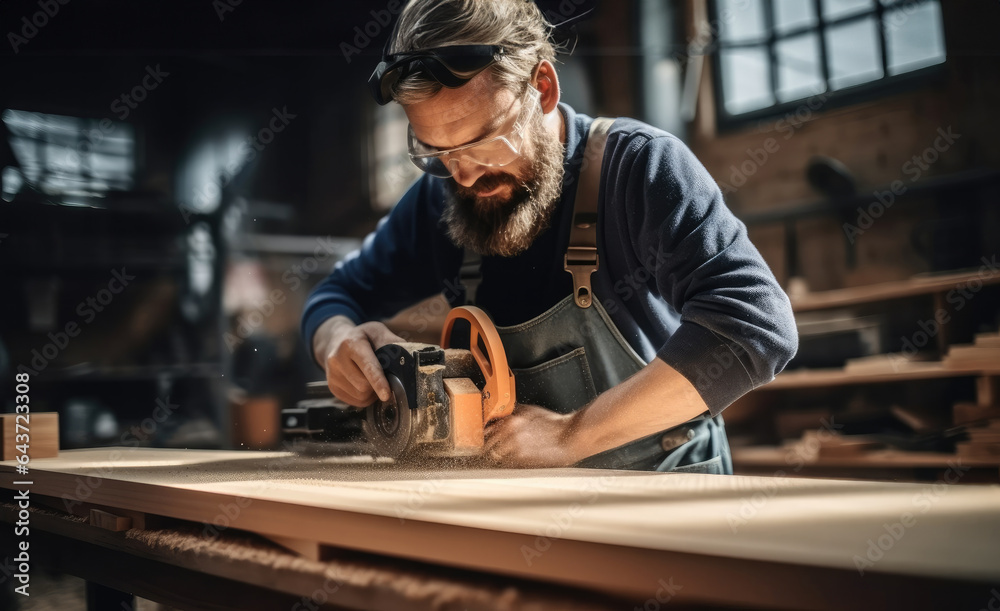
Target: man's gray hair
(516, 25)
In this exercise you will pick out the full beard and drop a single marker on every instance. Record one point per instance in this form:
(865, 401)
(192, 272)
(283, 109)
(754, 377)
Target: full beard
(508, 226)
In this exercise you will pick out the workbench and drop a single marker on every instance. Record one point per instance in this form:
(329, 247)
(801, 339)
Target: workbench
(246, 530)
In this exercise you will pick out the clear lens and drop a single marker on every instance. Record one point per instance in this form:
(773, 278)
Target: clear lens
(497, 151)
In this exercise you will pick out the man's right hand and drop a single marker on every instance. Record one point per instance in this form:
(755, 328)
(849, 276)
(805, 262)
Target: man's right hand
(347, 352)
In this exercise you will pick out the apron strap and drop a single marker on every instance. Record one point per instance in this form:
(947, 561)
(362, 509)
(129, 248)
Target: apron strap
(470, 275)
(581, 257)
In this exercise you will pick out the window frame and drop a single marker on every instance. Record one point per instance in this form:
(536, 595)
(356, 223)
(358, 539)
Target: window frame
(862, 92)
(84, 127)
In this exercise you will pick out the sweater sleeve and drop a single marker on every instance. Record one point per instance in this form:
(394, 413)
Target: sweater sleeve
(737, 330)
(393, 269)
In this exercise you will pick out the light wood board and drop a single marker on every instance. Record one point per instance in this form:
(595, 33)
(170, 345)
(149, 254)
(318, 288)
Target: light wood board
(883, 291)
(886, 371)
(780, 457)
(613, 531)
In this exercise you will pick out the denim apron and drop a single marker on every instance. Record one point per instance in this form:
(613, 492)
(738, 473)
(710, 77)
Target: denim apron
(567, 356)
(571, 353)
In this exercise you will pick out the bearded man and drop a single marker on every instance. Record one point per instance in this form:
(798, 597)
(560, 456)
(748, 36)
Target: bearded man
(628, 365)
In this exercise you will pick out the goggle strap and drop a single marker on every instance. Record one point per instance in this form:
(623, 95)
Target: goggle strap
(394, 67)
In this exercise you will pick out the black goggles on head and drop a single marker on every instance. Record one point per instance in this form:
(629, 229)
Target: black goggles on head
(451, 66)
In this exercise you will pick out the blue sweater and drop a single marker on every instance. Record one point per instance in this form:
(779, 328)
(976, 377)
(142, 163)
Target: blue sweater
(677, 275)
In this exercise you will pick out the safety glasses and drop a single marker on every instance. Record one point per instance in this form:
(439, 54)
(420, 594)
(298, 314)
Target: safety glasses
(496, 151)
(451, 66)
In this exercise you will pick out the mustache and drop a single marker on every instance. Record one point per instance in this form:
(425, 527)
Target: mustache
(486, 183)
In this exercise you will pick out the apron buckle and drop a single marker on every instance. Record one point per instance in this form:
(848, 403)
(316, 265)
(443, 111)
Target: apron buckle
(581, 262)
(676, 438)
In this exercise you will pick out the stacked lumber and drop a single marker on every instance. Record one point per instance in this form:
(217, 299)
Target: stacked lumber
(888, 363)
(981, 419)
(972, 414)
(816, 445)
(790, 424)
(980, 425)
(984, 441)
(984, 352)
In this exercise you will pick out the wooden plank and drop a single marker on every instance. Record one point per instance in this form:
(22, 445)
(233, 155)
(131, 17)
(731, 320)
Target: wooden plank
(985, 364)
(901, 371)
(109, 521)
(623, 528)
(41, 428)
(785, 458)
(987, 340)
(975, 449)
(965, 413)
(918, 285)
(988, 391)
(985, 435)
(139, 519)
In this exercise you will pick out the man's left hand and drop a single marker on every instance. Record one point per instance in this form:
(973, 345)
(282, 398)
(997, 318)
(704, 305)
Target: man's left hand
(530, 437)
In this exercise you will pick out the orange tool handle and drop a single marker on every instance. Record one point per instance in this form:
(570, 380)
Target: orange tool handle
(498, 394)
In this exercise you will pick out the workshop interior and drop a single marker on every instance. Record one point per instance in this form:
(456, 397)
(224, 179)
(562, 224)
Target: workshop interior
(177, 177)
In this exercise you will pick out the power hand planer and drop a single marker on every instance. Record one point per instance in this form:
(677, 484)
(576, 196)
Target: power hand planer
(442, 398)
